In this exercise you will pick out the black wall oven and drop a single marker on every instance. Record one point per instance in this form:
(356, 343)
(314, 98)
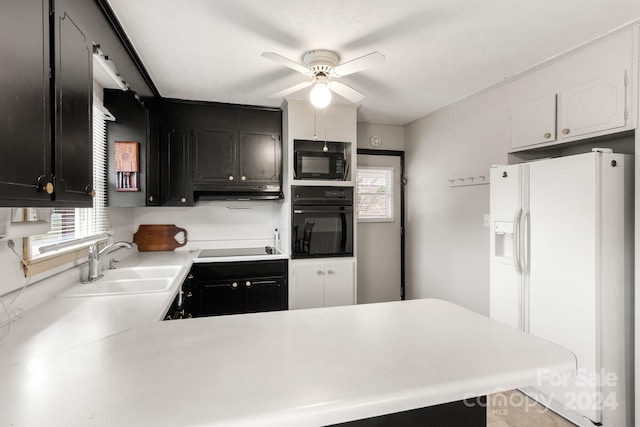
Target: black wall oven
(322, 222)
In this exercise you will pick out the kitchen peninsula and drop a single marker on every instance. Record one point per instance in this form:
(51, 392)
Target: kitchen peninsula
(109, 360)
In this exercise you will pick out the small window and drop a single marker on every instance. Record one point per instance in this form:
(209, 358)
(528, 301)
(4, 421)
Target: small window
(375, 194)
(72, 229)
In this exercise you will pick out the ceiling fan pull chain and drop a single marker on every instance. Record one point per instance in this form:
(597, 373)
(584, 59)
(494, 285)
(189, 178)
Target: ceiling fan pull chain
(315, 133)
(325, 148)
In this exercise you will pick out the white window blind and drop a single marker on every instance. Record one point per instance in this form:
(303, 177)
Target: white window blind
(375, 198)
(72, 227)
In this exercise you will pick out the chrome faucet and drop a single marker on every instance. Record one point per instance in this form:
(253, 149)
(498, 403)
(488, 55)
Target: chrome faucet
(95, 257)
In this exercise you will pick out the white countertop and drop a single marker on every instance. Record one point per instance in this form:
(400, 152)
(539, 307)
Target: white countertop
(107, 360)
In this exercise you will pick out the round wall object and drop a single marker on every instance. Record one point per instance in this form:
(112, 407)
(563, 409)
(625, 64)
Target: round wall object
(375, 141)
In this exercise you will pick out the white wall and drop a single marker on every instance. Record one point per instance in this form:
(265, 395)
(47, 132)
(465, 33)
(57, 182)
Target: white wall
(447, 245)
(392, 136)
(217, 221)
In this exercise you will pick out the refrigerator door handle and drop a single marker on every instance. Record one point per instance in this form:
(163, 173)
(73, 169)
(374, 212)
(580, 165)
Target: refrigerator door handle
(524, 254)
(516, 241)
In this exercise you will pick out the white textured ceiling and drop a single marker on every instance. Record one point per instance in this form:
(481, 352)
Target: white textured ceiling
(437, 51)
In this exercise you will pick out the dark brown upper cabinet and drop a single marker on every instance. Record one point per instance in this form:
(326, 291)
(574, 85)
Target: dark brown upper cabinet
(214, 151)
(25, 126)
(46, 150)
(73, 141)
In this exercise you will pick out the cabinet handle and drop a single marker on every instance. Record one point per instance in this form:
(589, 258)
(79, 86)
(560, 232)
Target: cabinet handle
(231, 178)
(331, 272)
(183, 199)
(190, 276)
(189, 295)
(234, 285)
(243, 178)
(547, 135)
(247, 283)
(320, 272)
(566, 131)
(151, 198)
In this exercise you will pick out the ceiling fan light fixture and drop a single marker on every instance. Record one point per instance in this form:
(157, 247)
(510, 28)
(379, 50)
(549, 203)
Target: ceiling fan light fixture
(320, 95)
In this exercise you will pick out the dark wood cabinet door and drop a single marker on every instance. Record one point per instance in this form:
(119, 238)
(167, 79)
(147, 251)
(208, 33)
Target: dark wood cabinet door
(265, 294)
(214, 156)
(74, 95)
(153, 162)
(25, 139)
(175, 172)
(218, 298)
(260, 157)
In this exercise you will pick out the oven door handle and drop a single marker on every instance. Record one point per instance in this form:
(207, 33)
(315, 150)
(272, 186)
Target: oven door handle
(325, 211)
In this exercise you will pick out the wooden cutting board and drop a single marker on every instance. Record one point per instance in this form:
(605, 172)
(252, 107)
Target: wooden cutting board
(158, 237)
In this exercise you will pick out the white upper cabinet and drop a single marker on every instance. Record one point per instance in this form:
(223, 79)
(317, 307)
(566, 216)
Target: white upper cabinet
(597, 106)
(534, 122)
(585, 94)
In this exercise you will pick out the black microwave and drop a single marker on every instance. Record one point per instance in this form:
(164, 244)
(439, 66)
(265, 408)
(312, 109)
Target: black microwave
(320, 165)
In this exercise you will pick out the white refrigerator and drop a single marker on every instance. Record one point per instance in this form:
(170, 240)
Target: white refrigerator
(561, 268)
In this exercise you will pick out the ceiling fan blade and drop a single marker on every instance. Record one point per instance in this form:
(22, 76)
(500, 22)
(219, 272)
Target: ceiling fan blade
(346, 91)
(286, 62)
(359, 64)
(291, 90)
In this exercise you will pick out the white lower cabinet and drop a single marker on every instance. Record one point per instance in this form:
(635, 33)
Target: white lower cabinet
(321, 284)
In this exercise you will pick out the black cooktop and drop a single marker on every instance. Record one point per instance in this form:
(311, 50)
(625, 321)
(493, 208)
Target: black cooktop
(212, 253)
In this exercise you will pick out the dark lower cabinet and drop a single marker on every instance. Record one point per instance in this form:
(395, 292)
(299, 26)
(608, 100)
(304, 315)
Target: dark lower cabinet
(216, 289)
(462, 413)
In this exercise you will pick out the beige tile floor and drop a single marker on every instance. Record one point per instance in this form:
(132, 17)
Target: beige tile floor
(514, 409)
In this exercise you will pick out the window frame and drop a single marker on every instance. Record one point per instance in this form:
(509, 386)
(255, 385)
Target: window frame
(389, 195)
(76, 251)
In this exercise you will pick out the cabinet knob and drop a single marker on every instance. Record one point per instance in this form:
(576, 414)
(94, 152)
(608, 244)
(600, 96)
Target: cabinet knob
(247, 283)
(151, 198)
(189, 295)
(330, 272)
(190, 276)
(243, 178)
(183, 199)
(234, 285)
(547, 135)
(231, 178)
(90, 191)
(320, 273)
(43, 185)
(566, 131)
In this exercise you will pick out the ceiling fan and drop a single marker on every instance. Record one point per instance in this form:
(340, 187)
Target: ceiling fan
(324, 68)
